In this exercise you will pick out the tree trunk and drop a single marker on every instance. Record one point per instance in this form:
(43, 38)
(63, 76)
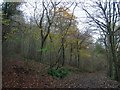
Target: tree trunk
(63, 52)
(113, 68)
(41, 50)
(70, 53)
(78, 55)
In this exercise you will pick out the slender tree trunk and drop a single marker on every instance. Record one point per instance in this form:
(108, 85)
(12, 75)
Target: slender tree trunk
(51, 54)
(78, 59)
(63, 52)
(41, 50)
(70, 53)
(78, 55)
(110, 68)
(50, 59)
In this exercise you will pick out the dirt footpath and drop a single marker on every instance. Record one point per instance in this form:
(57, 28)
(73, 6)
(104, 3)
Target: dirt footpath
(87, 80)
(17, 74)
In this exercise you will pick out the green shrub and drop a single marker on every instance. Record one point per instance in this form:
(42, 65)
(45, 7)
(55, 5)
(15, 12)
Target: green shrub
(59, 73)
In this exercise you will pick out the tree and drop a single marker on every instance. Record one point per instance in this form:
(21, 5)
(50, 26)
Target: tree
(63, 22)
(71, 40)
(9, 9)
(45, 20)
(107, 20)
(82, 42)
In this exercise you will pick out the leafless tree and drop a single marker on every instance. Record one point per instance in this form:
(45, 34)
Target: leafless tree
(105, 15)
(45, 19)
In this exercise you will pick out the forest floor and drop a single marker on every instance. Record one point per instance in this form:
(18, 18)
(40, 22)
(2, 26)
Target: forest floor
(20, 74)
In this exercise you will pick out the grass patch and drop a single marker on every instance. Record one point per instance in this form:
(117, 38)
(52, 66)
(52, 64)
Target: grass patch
(59, 73)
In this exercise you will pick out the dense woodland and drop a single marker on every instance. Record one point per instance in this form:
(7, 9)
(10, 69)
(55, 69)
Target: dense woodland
(51, 38)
